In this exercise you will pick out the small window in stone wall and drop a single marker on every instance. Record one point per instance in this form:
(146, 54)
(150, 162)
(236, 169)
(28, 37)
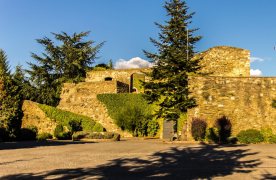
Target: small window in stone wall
(108, 79)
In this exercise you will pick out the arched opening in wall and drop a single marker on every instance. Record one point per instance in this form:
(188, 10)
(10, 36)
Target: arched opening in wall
(136, 80)
(108, 79)
(224, 127)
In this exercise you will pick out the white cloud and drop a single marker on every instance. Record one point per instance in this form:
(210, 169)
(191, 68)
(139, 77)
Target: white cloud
(255, 59)
(255, 72)
(133, 63)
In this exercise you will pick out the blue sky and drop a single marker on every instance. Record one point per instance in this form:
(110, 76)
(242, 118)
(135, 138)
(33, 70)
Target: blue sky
(126, 26)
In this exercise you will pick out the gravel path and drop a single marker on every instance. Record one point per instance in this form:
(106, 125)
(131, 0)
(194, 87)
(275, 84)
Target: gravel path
(135, 159)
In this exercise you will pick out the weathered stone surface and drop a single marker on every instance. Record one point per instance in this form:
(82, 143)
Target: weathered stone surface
(246, 101)
(34, 116)
(82, 99)
(225, 61)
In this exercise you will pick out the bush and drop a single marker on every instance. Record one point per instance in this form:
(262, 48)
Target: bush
(250, 136)
(74, 126)
(95, 135)
(198, 129)
(212, 135)
(60, 133)
(131, 112)
(272, 139)
(44, 136)
(267, 133)
(74, 122)
(153, 127)
(98, 128)
(224, 127)
(28, 134)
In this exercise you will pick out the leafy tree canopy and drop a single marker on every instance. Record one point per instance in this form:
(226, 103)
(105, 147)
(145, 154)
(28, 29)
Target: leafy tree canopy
(64, 59)
(173, 62)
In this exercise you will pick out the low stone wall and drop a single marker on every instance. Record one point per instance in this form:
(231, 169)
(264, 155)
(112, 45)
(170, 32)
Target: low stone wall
(246, 101)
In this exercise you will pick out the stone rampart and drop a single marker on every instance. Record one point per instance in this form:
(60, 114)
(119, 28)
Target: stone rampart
(246, 101)
(119, 75)
(225, 61)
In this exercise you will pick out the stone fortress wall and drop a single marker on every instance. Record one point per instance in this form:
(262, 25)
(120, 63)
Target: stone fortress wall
(229, 91)
(226, 90)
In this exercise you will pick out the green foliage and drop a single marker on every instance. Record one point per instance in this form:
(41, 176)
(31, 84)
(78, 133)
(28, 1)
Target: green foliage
(153, 127)
(10, 101)
(250, 136)
(272, 139)
(3, 134)
(44, 136)
(267, 134)
(198, 129)
(95, 135)
(273, 104)
(65, 62)
(28, 134)
(98, 128)
(131, 112)
(224, 127)
(181, 121)
(212, 135)
(173, 62)
(74, 122)
(61, 134)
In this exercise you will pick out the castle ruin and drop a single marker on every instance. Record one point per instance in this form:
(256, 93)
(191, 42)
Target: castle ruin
(226, 90)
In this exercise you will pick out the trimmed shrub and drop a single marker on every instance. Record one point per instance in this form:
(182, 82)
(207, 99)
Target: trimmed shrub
(267, 133)
(250, 136)
(28, 134)
(74, 122)
(98, 128)
(198, 129)
(272, 139)
(212, 135)
(224, 127)
(44, 136)
(60, 133)
(96, 135)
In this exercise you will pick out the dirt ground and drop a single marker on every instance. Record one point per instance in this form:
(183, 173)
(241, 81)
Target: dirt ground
(135, 159)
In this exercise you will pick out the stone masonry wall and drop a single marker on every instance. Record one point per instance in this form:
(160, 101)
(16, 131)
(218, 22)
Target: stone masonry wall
(246, 101)
(119, 75)
(225, 61)
(82, 99)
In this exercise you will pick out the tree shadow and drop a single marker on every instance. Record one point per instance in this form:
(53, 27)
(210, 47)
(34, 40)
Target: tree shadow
(206, 161)
(34, 144)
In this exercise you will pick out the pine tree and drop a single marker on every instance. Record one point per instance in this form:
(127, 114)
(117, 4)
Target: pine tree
(10, 100)
(66, 62)
(173, 63)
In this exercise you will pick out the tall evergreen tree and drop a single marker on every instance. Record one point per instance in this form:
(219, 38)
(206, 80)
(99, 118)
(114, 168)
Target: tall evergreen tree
(10, 100)
(65, 62)
(173, 62)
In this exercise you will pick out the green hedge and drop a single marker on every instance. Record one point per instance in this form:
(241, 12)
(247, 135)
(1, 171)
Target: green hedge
(66, 118)
(131, 112)
(250, 136)
(273, 104)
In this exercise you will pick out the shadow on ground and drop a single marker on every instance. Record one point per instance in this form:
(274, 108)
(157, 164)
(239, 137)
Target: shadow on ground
(34, 144)
(176, 163)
